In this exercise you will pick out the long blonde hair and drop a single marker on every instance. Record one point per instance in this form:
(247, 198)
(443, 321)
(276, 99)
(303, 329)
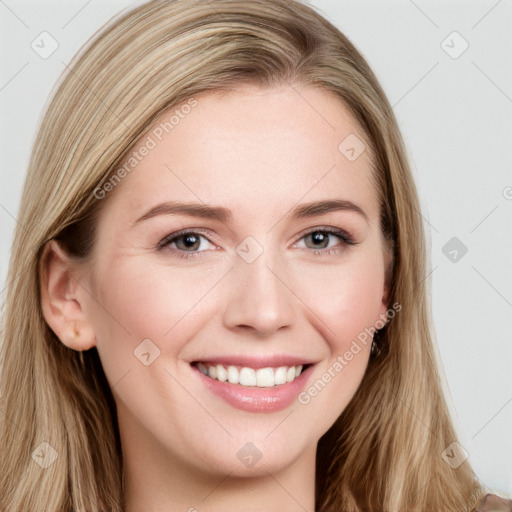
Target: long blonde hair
(385, 451)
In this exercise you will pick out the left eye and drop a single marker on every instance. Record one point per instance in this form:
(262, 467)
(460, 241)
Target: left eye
(321, 236)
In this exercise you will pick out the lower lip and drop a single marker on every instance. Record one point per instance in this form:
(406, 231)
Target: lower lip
(255, 399)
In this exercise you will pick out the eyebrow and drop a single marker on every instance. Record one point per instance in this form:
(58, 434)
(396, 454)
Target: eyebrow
(224, 215)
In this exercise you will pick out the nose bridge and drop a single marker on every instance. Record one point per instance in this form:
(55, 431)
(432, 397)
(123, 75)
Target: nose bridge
(259, 297)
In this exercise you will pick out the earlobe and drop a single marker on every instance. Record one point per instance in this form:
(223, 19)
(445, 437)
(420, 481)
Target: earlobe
(61, 299)
(385, 298)
(388, 273)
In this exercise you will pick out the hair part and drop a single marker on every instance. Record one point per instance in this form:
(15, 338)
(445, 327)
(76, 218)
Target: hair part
(379, 455)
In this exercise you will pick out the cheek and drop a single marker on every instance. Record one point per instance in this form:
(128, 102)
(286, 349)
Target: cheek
(139, 301)
(347, 298)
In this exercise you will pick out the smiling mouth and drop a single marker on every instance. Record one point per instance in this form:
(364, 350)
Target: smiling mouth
(245, 376)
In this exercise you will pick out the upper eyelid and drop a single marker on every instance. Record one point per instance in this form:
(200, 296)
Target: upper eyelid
(171, 236)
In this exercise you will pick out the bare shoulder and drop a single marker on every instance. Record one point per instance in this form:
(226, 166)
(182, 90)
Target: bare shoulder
(494, 503)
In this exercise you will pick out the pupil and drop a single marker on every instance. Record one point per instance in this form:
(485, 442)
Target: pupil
(318, 236)
(190, 240)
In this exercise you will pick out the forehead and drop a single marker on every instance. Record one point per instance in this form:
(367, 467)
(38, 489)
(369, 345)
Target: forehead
(260, 147)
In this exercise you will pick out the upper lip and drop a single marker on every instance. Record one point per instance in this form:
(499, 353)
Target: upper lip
(274, 360)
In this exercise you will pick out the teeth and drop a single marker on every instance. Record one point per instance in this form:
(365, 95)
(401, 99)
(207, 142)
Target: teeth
(280, 376)
(244, 376)
(265, 377)
(222, 374)
(247, 377)
(233, 375)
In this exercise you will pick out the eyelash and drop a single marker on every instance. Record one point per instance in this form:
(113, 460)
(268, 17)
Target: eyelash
(340, 234)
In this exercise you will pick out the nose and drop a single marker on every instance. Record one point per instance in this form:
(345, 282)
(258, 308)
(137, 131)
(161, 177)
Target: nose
(260, 297)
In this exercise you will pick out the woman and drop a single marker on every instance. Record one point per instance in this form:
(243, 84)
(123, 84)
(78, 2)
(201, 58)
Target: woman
(176, 335)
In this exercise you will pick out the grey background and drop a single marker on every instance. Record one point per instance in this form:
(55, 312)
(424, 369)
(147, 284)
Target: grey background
(455, 115)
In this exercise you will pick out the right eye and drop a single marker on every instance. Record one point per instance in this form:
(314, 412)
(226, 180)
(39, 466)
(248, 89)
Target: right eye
(184, 241)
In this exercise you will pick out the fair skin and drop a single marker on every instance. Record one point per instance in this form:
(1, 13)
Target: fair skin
(260, 153)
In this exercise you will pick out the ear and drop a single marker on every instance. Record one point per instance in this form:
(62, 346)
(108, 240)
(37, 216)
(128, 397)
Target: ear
(62, 298)
(388, 273)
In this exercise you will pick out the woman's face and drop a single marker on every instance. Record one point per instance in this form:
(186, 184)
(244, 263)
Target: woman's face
(253, 281)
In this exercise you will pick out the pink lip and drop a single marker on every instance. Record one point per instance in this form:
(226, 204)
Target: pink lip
(257, 399)
(257, 361)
